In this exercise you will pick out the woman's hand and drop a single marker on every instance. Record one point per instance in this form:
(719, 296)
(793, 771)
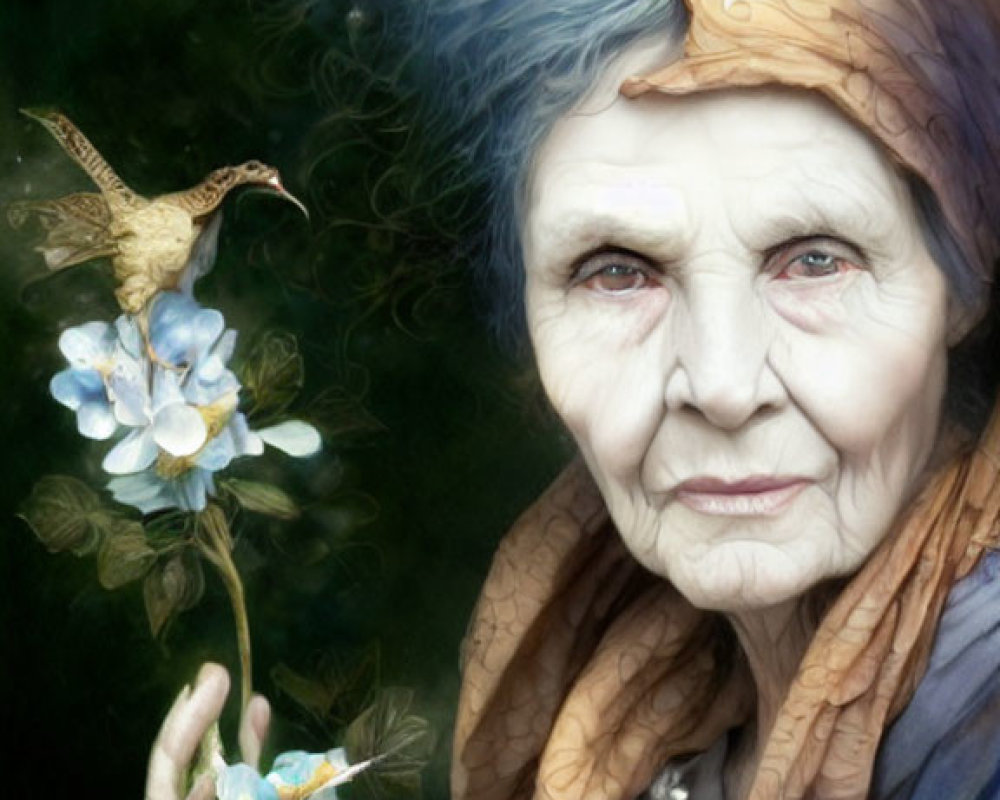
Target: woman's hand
(194, 711)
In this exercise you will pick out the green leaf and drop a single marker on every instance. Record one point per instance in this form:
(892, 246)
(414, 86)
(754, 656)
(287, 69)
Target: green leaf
(171, 587)
(340, 414)
(311, 694)
(264, 498)
(403, 740)
(165, 531)
(272, 375)
(125, 555)
(60, 511)
(335, 688)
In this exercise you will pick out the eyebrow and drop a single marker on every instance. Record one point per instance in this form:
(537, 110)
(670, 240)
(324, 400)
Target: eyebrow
(782, 207)
(860, 217)
(583, 228)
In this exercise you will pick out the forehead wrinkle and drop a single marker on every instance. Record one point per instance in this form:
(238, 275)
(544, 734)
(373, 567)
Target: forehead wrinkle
(862, 208)
(569, 229)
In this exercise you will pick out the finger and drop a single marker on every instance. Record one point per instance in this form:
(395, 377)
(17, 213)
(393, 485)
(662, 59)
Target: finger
(203, 789)
(253, 729)
(192, 713)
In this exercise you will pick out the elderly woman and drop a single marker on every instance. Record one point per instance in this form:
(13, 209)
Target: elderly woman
(752, 246)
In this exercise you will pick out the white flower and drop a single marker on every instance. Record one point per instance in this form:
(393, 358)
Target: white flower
(182, 408)
(311, 776)
(242, 782)
(150, 491)
(90, 350)
(175, 395)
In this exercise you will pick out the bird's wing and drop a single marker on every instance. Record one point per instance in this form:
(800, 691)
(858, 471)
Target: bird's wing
(78, 146)
(76, 227)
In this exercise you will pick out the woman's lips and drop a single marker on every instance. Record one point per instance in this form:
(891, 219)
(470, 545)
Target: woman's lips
(756, 496)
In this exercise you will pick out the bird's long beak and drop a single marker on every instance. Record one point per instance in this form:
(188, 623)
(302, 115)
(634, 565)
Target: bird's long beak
(282, 192)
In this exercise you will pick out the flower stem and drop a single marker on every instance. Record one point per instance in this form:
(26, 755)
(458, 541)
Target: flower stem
(218, 550)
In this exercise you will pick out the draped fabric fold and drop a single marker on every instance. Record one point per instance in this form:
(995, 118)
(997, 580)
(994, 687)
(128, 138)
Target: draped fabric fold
(583, 674)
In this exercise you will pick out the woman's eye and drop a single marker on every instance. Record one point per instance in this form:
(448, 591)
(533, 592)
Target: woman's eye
(614, 273)
(814, 265)
(812, 259)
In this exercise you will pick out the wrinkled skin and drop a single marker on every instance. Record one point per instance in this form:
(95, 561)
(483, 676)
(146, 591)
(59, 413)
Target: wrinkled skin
(733, 286)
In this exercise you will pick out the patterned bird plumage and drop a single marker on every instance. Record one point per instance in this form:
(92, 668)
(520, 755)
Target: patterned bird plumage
(151, 242)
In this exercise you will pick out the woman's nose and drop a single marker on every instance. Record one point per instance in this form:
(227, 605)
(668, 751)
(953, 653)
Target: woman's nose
(721, 342)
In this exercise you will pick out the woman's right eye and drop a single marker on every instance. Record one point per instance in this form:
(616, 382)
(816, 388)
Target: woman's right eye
(615, 273)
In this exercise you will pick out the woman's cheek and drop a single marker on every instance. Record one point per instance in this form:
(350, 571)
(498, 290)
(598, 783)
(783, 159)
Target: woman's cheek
(604, 376)
(868, 392)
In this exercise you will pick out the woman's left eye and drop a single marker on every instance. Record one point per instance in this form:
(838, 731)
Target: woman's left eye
(813, 259)
(615, 272)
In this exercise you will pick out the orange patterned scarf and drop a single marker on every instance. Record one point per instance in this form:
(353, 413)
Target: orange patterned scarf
(583, 674)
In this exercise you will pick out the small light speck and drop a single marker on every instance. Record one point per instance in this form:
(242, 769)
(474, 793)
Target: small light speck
(355, 18)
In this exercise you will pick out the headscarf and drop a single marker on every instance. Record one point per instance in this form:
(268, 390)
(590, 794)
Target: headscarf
(583, 674)
(922, 76)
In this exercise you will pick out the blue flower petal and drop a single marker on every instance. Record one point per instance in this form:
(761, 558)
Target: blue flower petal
(242, 782)
(130, 337)
(95, 420)
(88, 344)
(129, 388)
(191, 489)
(226, 346)
(180, 331)
(144, 491)
(166, 388)
(218, 453)
(169, 308)
(74, 387)
(204, 391)
(149, 491)
(206, 327)
(134, 453)
(243, 444)
(295, 767)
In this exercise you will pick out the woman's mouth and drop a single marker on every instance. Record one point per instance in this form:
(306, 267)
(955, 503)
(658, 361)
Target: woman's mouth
(750, 497)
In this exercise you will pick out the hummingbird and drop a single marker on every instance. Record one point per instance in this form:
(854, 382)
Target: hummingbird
(164, 242)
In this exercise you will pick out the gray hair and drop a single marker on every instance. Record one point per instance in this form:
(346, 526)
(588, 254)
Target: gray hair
(491, 77)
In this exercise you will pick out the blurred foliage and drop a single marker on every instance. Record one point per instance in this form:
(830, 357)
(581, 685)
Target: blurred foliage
(423, 467)
(62, 512)
(66, 514)
(400, 743)
(271, 375)
(174, 585)
(262, 498)
(333, 690)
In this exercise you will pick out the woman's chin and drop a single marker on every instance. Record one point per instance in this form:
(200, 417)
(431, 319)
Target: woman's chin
(744, 576)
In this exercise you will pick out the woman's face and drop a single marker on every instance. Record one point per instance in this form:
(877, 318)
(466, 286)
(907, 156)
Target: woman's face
(733, 311)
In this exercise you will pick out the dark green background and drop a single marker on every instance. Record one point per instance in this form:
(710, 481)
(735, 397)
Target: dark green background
(434, 440)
